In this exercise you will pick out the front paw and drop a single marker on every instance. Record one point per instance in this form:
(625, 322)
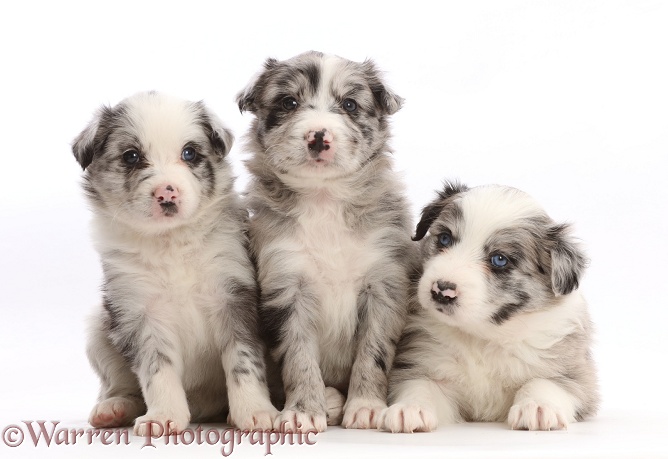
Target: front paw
(158, 424)
(291, 420)
(407, 418)
(361, 413)
(531, 415)
(251, 417)
(115, 412)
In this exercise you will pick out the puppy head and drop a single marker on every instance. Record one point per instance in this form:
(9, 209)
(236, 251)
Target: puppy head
(153, 161)
(492, 254)
(318, 116)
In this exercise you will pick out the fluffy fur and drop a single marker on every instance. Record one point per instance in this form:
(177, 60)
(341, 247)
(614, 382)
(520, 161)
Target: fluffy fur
(177, 336)
(330, 232)
(500, 331)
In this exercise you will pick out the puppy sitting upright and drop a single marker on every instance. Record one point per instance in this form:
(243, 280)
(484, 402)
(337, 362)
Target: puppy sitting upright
(500, 332)
(330, 233)
(179, 322)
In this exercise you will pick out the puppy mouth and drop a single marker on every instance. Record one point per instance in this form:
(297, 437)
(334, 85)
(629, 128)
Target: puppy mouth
(169, 209)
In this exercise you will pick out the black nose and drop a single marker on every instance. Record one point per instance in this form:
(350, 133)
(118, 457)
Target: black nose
(444, 292)
(318, 143)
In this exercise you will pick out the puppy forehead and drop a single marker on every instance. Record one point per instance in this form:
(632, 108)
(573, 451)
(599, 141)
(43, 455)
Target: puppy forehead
(160, 121)
(312, 74)
(484, 211)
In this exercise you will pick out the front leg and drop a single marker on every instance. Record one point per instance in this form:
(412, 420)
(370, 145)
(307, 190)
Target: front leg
(243, 360)
(542, 404)
(289, 319)
(159, 368)
(382, 312)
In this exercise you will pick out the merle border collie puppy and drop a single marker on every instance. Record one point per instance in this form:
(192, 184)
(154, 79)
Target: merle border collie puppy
(176, 337)
(330, 231)
(500, 331)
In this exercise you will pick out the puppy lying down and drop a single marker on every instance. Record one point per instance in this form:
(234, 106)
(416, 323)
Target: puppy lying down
(500, 331)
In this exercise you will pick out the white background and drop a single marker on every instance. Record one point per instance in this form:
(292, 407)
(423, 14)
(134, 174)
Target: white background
(566, 100)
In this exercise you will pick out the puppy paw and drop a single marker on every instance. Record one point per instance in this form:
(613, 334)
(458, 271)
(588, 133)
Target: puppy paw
(531, 415)
(115, 412)
(407, 418)
(334, 400)
(362, 413)
(299, 421)
(254, 418)
(158, 424)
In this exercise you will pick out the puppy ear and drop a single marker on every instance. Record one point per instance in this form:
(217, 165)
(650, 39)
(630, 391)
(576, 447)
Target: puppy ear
(388, 101)
(247, 97)
(434, 209)
(221, 137)
(568, 260)
(92, 139)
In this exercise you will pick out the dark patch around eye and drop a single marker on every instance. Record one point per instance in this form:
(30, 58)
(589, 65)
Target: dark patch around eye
(271, 121)
(209, 177)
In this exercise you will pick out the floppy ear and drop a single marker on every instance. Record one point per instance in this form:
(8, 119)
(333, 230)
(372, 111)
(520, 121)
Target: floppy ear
(568, 260)
(388, 101)
(92, 139)
(221, 137)
(247, 97)
(434, 209)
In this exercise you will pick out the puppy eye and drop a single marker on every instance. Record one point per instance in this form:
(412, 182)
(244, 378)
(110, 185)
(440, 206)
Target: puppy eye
(445, 239)
(131, 157)
(188, 154)
(499, 261)
(290, 103)
(349, 105)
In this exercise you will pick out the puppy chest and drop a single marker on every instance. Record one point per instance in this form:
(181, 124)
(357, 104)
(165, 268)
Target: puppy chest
(177, 295)
(336, 261)
(487, 379)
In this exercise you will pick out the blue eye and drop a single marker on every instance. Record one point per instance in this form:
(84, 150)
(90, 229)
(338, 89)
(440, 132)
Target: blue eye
(445, 239)
(499, 261)
(188, 154)
(131, 157)
(349, 105)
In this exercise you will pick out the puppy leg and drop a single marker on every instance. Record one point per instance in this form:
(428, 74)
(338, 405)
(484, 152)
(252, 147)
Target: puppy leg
(288, 317)
(381, 307)
(542, 404)
(120, 400)
(159, 368)
(243, 361)
(419, 406)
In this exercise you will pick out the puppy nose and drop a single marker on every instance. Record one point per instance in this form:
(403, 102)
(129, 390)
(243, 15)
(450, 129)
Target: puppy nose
(166, 194)
(319, 140)
(443, 291)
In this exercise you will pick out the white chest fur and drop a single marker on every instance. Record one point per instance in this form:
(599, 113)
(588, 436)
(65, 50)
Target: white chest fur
(336, 261)
(172, 280)
(486, 373)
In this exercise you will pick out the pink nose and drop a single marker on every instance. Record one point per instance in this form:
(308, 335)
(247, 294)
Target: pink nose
(166, 193)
